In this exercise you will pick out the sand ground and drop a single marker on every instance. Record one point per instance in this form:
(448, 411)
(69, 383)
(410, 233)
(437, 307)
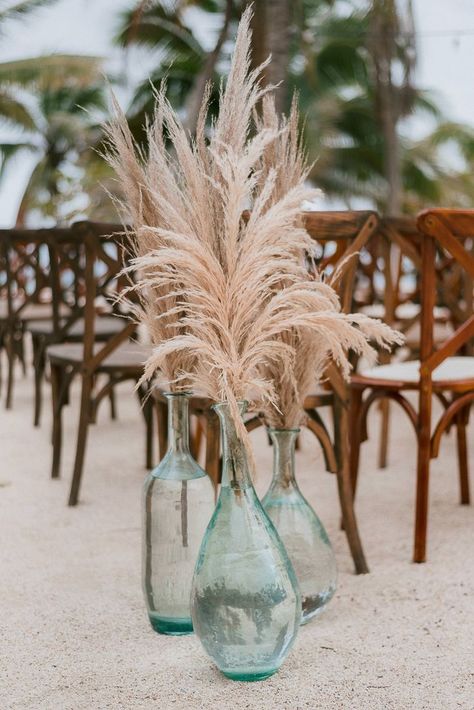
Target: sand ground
(73, 632)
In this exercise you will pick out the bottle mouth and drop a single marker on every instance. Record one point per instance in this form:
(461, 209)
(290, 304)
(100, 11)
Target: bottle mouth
(283, 430)
(241, 403)
(171, 395)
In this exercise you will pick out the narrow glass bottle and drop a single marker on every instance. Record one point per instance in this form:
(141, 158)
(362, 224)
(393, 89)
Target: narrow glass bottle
(300, 529)
(245, 601)
(178, 502)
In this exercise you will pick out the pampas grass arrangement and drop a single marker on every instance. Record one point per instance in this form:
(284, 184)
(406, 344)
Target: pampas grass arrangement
(229, 304)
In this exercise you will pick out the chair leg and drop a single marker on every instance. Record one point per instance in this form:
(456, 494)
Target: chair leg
(213, 448)
(57, 398)
(462, 458)
(113, 404)
(21, 351)
(384, 432)
(355, 436)
(345, 488)
(421, 513)
(84, 420)
(422, 475)
(148, 413)
(196, 438)
(161, 410)
(10, 351)
(39, 367)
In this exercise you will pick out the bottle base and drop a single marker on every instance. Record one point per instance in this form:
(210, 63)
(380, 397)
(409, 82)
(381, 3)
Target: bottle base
(314, 606)
(249, 677)
(169, 626)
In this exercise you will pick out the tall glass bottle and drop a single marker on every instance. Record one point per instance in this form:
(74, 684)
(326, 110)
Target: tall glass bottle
(300, 529)
(245, 601)
(178, 502)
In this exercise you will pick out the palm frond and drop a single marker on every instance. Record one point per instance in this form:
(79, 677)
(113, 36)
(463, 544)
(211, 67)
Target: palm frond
(8, 151)
(20, 9)
(14, 111)
(51, 70)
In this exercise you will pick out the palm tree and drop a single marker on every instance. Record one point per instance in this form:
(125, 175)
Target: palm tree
(341, 57)
(13, 110)
(67, 129)
(49, 100)
(355, 112)
(181, 58)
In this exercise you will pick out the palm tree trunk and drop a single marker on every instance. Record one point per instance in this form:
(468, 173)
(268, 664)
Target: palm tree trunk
(383, 29)
(193, 102)
(278, 31)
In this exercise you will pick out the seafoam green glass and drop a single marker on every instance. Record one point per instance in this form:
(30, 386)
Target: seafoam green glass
(178, 503)
(245, 601)
(300, 529)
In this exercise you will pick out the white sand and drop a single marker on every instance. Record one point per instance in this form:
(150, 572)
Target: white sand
(73, 632)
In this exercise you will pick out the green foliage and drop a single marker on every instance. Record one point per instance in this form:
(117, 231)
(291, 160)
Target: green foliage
(68, 128)
(50, 70)
(18, 10)
(333, 71)
(57, 102)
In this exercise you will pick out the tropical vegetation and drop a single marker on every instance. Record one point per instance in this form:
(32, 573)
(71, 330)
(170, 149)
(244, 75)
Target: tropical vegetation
(353, 63)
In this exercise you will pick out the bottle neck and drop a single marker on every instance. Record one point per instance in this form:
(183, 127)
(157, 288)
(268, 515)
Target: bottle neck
(235, 464)
(178, 422)
(284, 443)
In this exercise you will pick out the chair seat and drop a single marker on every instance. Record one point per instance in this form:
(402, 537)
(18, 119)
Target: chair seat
(441, 332)
(41, 311)
(455, 374)
(405, 311)
(129, 357)
(319, 397)
(33, 311)
(104, 328)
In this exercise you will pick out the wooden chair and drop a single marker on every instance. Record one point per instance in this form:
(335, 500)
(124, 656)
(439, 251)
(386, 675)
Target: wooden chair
(66, 323)
(393, 270)
(338, 236)
(446, 242)
(25, 293)
(104, 247)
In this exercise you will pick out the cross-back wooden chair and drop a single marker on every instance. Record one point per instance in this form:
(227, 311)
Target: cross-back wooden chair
(66, 323)
(444, 245)
(104, 254)
(396, 271)
(397, 267)
(337, 237)
(25, 293)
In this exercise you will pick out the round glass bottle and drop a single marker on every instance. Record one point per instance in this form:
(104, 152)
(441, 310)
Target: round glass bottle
(300, 529)
(178, 502)
(245, 600)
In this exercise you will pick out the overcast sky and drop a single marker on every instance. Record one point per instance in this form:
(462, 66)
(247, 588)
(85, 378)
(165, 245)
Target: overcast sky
(445, 47)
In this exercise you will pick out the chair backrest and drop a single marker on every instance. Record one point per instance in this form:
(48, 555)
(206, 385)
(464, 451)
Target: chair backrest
(447, 247)
(389, 268)
(394, 268)
(106, 254)
(24, 276)
(338, 236)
